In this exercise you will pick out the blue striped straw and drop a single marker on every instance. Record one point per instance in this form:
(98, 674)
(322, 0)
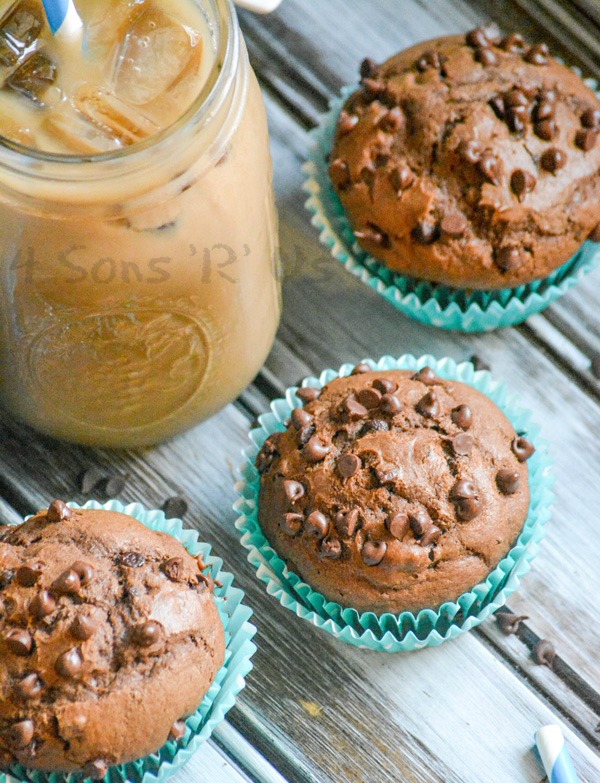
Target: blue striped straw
(555, 757)
(63, 17)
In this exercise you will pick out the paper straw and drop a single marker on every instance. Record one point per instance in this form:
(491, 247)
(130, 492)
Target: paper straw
(63, 18)
(555, 756)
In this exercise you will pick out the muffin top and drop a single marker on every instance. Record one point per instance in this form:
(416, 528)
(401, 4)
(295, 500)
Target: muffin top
(393, 491)
(109, 636)
(471, 160)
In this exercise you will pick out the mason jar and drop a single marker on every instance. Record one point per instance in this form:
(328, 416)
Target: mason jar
(140, 289)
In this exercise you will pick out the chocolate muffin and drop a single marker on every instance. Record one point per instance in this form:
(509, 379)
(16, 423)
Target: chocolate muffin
(393, 491)
(471, 160)
(109, 638)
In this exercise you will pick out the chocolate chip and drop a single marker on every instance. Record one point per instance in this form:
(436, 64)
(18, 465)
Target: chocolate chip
(315, 450)
(132, 560)
(352, 409)
(586, 139)
(462, 444)
(42, 605)
(538, 55)
(546, 130)
(346, 522)
(385, 385)
(19, 735)
(27, 575)
(361, 368)
(84, 627)
(470, 151)
(430, 536)
(509, 258)
(515, 98)
(508, 481)
(84, 571)
(30, 686)
(6, 577)
(553, 159)
(515, 121)
(465, 498)
(178, 731)
(522, 449)
(398, 524)
(373, 88)
(330, 548)
(68, 583)
(477, 38)
(148, 634)
(374, 425)
(428, 406)
(429, 59)
(293, 490)
(175, 507)
(454, 225)
(373, 552)
(58, 512)
(69, 664)
(425, 232)
(91, 478)
(462, 416)
(489, 165)
(339, 173)
(374, 235)
(545, 110)
(513, 43)
(368, 68)
(347, 465)
(486, 56)
(402, 178)
(96, 769)
(301, 418)
(497, 105)
(174, 569)
(522, 182)
(393, 120)
(426, 376)
(391, 404)
(266, 455)
(316, 525)
(544, 653)
(305, 434)
(369, 398)
(419, 521)
(347, 122)
(509, 623)
(381, 161)
(292, 524)
(308, 394)
(591, 118)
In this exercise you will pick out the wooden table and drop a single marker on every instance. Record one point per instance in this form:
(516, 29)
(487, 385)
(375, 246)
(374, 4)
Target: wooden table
(315, 709)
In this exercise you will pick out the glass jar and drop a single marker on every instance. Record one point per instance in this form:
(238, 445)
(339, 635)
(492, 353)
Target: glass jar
(140, 289)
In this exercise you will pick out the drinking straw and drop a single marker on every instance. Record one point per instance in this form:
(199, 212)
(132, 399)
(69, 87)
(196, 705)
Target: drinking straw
(63, 18)
(259, 6)
(555, 756)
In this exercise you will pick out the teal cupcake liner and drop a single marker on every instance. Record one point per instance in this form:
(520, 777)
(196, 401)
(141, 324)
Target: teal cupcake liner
(222, 694)
(405, 631)
(429, 303)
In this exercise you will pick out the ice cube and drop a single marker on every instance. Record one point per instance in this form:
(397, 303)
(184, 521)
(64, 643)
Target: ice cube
(68, 129)
(110, 114)
(11, 130)
(34, 76)
(20, 28)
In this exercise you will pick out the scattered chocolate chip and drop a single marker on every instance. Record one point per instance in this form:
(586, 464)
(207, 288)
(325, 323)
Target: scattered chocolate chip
(462, 444)
(58, 512)
(30, 686)
(477, 38)
(292, 524)
(462, 416)
(175, 507)
(509, 623)
(174, 569)
(398, 524)
(430, 536)
(369, 398)
(538, 55)
(513, 43)
(96, 769)
(84, 627)
(42, 605)
(385, 385)
(454, 225)
(84, 571)
(69, 664)
(489, 165)
(591, 118)
(429, 59)
(347, 122)
(486, 56)
(266, 455)
(391, 404)
(148, 634)
(346, 522)
(464, 495)
(546, 130)
(293, 490)
(373, 552)
(375, 236)
(368, 68)
(27, 575)
(545, 110)
(522, 449)
(508, 258)
(132, 560)
(402, 178)
(425, 233)
(393, 120)
(515, 121)
(68, 583)
(347, 465)
(178, 731)
(91, 478)
(115, 486)
(470, 151)
(553, 159)
(331, 548)
(419, 521)
(316, 525)
(426, 376)
(586, 139)
(498, 107)
(19, 735)
(301, 418)
(315, 450)
(361, 368)
(352, 409)
(308, 394)
(428, 406)
(522, 182)
(515, 98)
(339, 173)
(508, 481)
(544, 653)
(594, 235)
(305, 434)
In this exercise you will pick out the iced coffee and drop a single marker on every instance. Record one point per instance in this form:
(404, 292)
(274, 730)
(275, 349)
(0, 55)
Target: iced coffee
(138, 237)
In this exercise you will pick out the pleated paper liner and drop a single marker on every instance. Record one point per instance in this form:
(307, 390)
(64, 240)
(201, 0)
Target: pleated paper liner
(430, 303)
(406, 631)
(229, 682)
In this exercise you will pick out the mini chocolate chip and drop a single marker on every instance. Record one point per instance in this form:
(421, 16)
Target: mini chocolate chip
(316, 525)
(385, 385)
(430, 536)
(538, 55)
(374, 235)
(428, 406)
(330, 548)
(84, 571)
(175, 507)
(508, 481)
(293, 490)
(347, 122)
(489, 165)
(594, 235)
(453, 224)
(339, 173)
(361, 368)
(91, 478)
(373, 88)
(58, 512)
(464, 488)
(373, 552)
(42, 605)
(368, 68)
(508, 258)
(132, 559)
(69, 664)
(398, 524)
(115, 486)
(301, 418)
(522, 182)
(347, 465)
(68, 583)
(586, 139)
(425, 232)
(470, 151)
(266, 455)
(369, 398)
(462, 444)
(391, 404)
(544, 653)
(465, 499)
(292, 524)
(315, 450)
(346, 522)
(514, 121)
(352, 409)
(419, 521)
(308, 394)
(96, 769)
(498, 107)
(19, 735)
(545, 110)
(509, 623)
(516, 97)
(513, 43)
(402, 178)
(553, 159)
(546, 130)
(178, 731)
(84, 627)
(486, 56)
(30, 686)
(429, 59)
(522, 449)
(27, 575)
(148, 634)
(426, 376)
(174, 569)
(477, 38)
(462, 416)
(591, 118)
(393, 120)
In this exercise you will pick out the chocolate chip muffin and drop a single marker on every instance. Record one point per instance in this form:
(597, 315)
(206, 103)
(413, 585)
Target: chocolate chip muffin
(393, 491)
(471, 160)
(109, 638)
